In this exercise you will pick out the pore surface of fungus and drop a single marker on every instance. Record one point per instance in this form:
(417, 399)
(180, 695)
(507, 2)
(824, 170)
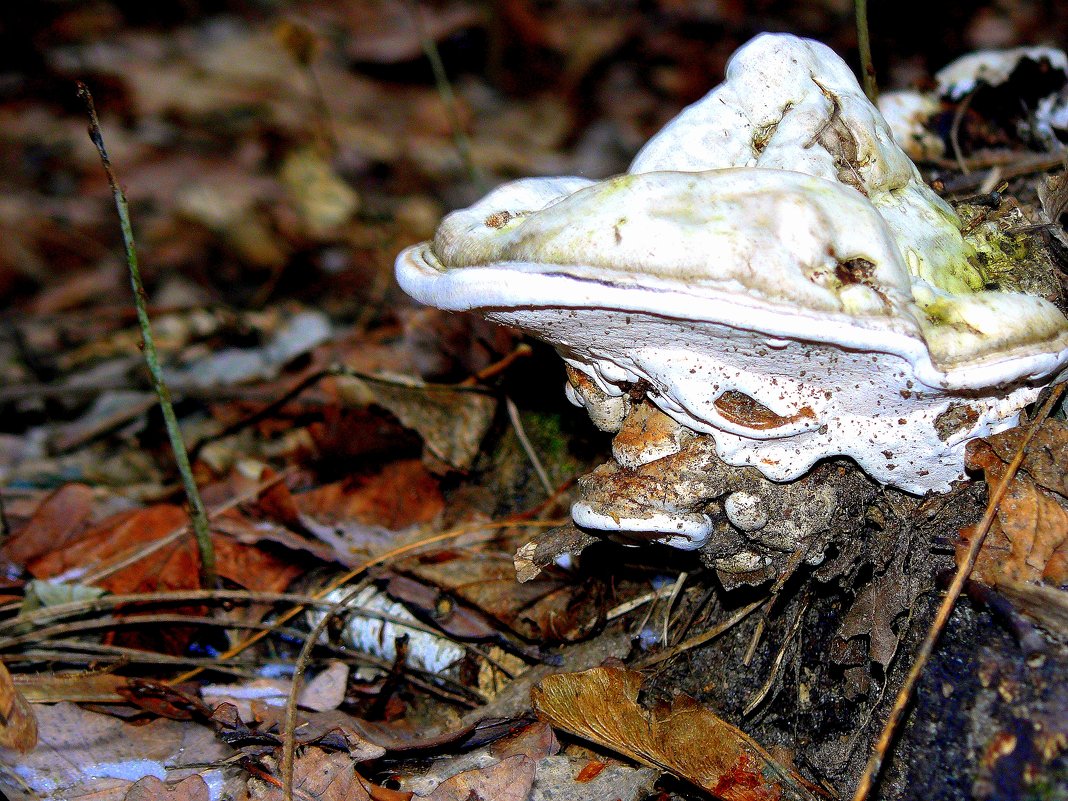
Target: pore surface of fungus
(771, 271)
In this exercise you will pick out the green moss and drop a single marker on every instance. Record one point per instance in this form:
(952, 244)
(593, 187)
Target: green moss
(1053, 787)
(1007, 257)
(551, 443)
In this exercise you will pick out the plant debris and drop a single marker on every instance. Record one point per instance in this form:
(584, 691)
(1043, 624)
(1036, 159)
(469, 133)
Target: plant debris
(347, 442)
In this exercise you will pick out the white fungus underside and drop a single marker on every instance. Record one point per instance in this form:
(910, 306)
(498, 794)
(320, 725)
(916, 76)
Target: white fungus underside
(859, 379)
(772, 240)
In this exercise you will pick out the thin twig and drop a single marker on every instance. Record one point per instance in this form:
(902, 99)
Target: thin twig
(78, 608)
(349, 575)
(197, 513)
(954, 132)
(776, 664)
(754, 641)
(89, 650)
(703, 637)
(528, 448)
(627, 607)
(521, 351)
(448, 97)
(50, 657)
(675, 590)
(134, 621)
(709, 595)
(289, 730)
(964, 569)
(773, 595)
(867, 69)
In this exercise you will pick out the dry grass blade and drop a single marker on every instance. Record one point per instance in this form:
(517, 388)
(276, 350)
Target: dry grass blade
(79, 608)
(528, 448)
(964, 569)
(348, 576)
(704, 636)
(289, 741)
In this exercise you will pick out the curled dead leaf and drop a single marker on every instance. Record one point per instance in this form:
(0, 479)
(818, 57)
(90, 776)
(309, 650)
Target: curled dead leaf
(451, 420)
(60, 517)
(318, 775)
(507, 780)
(683, 738)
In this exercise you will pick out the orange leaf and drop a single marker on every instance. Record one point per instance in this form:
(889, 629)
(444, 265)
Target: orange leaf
(57, 520)
(401, 495)
(18, 726)
(1029, 538)
(590, 772)
(684, 738)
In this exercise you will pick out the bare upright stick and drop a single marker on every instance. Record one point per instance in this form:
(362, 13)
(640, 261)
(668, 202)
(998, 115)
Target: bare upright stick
(448, 97)
(867, 69)
(198, 515)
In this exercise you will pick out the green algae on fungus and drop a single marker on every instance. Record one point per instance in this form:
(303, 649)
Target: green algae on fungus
(1008, 252)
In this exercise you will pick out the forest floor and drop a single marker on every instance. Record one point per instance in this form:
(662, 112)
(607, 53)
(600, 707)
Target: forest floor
(353, 447)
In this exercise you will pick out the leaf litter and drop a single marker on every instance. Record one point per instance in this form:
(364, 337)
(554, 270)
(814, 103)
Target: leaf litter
(276, 163)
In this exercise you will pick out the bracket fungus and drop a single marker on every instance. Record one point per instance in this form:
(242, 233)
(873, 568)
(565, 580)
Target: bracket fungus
(770, 284)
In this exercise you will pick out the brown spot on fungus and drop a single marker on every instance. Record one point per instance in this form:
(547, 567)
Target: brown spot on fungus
(742, 410)
(498, 219)
(855, 271)
(958, 417)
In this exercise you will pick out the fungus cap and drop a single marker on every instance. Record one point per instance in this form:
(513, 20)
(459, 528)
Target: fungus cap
(776, 274)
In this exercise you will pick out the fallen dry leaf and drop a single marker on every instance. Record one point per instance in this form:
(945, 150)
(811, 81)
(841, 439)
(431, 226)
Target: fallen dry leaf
(536, 741)
(591, 771)
(1046, 457)
(507, 780)
(317, 775)
(323, 200)
(684, 738)
(1028, 540)
(83, 754)
(174, 567)
(192, 788)
(18, 726)
(402, 494)
(60, 517)
(451, 420)
(1046, 605)
(879, 603)
(327, 689)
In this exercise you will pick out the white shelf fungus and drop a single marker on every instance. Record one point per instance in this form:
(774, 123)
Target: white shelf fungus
(773, 272)
(906, 113)
(993, 68)
(1036, 70)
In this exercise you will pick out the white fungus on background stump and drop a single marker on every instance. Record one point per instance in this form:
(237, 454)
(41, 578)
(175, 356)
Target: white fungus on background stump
(772, 272)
